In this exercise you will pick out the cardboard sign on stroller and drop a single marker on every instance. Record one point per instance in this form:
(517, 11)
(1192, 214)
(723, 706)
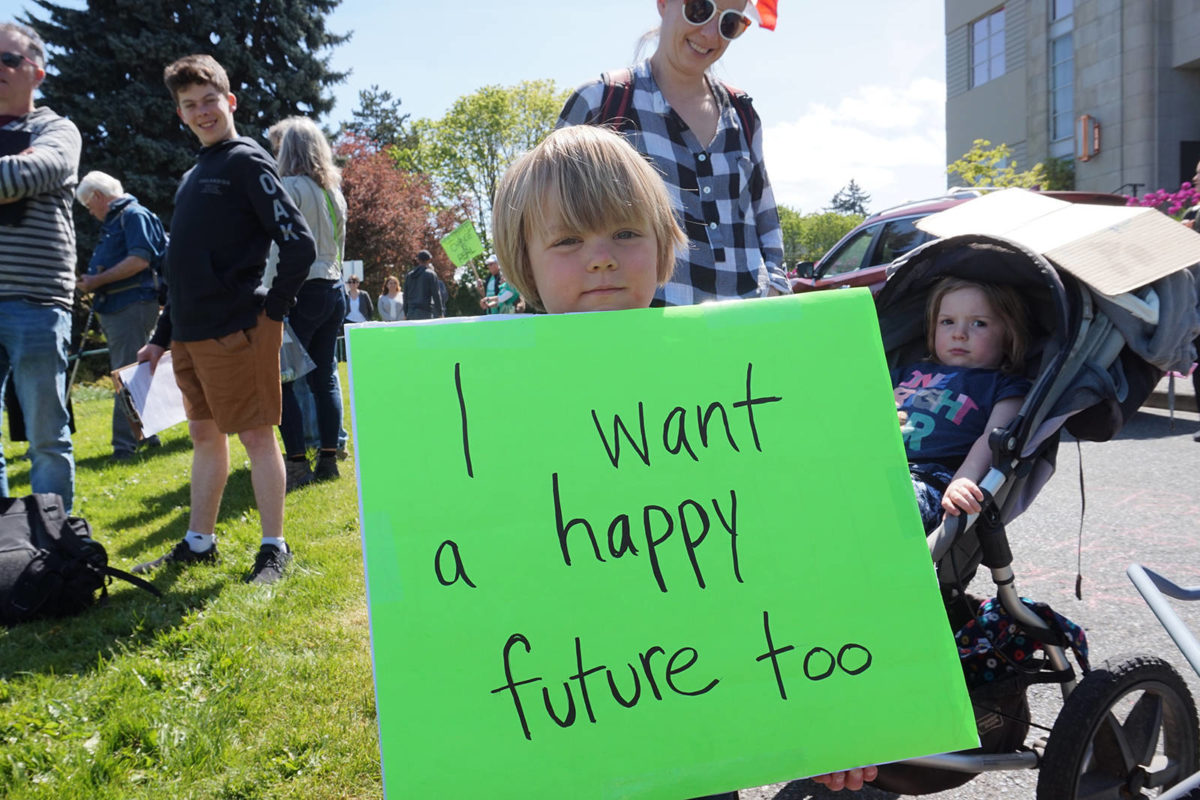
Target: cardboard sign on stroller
(645, 554)
(1113, 249)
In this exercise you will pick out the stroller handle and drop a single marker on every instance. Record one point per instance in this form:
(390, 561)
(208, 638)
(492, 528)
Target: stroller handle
(943, 536)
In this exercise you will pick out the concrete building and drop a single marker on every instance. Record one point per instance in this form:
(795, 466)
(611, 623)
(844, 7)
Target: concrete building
(1112, 84)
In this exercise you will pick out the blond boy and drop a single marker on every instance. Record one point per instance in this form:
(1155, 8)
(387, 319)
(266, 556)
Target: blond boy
(583, 223)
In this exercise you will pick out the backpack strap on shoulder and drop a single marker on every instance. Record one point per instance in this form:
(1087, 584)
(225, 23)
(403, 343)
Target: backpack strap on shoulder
(742, 104)
(616, 100)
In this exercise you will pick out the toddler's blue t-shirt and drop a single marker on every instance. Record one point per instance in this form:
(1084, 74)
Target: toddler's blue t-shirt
(948, 408)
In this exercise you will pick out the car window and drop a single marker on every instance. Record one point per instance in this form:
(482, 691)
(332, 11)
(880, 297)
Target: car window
(898, 238)
(852, 254)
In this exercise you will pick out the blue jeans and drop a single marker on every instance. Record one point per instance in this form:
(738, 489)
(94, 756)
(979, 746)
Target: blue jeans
(126, 331)
(316, 320)
(33, 349)
(929, 484)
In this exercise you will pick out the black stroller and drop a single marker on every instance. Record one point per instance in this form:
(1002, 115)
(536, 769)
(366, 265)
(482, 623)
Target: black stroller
(1127, 728)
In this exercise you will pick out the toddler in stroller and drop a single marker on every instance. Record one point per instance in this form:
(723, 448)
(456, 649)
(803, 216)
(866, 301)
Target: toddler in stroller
(971, 384)
(1085, 370)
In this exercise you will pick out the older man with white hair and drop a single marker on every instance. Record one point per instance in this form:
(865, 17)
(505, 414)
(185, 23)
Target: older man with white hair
(122, 281)
(39, 161)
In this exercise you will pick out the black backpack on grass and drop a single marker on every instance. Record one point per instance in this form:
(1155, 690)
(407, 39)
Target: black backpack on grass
(49, 563)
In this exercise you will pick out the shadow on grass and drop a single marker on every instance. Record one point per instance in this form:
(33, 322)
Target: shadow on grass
(237, 500)
(85, 643)
(104, 461)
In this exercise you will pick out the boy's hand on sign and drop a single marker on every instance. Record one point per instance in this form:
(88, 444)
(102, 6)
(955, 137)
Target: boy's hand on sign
(962, 495)
(852, 779)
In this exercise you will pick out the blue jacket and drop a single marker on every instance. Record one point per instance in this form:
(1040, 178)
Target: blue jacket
(129, 229)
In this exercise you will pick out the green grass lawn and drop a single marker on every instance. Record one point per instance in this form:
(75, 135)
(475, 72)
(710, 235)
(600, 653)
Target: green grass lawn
(217, 690)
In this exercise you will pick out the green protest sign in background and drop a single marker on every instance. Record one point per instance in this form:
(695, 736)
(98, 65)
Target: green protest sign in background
(646, 554)
(462, 244)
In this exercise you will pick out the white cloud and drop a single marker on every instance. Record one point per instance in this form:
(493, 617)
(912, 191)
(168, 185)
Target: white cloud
(890, 140)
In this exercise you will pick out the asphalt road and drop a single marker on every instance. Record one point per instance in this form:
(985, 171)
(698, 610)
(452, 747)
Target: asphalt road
(1142, 493)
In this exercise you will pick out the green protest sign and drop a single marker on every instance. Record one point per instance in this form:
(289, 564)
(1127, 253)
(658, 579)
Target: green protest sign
(462, 244)
(645, 554)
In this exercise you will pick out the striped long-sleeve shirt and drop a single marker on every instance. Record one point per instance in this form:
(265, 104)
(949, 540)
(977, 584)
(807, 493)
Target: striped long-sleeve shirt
(37, 255)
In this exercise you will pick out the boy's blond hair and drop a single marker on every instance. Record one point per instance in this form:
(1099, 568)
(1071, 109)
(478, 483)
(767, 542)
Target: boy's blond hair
(195, 70)
(598, 180)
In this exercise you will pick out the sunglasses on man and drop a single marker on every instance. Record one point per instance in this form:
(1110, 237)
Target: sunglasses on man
(13, 60)
(731, 24)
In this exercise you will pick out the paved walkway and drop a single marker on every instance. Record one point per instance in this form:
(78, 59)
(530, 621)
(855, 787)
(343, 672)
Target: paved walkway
(1185, 395)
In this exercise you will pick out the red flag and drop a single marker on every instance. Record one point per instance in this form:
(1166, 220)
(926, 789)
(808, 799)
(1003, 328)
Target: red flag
(766, 13)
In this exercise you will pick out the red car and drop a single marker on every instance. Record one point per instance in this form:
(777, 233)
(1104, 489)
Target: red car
(863, 255)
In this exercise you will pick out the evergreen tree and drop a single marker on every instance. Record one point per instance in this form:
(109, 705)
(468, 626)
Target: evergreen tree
(106, 64)
(378, 119)
(850, 199)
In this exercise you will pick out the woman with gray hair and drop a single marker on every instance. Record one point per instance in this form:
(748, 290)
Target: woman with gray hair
(309, 175)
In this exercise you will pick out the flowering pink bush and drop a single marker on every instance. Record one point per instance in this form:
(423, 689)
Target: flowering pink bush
(1170, 203)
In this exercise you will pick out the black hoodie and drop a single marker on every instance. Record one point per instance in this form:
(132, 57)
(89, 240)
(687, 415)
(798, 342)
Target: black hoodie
(228, 210)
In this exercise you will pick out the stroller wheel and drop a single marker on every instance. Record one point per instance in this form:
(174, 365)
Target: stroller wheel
(1129, 729)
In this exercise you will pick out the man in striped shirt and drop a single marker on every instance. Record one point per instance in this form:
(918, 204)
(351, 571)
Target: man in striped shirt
(39, 161)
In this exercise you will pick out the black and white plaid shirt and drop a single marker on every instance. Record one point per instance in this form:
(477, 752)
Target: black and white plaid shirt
(722, 196)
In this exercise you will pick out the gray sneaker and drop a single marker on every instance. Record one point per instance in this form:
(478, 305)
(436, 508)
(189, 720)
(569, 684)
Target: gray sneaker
(182, 554)
(269, 565)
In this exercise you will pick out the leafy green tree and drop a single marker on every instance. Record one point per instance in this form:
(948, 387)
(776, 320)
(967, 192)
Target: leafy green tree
(820, 232)
(984, 165)
(807, 237)
(850, 199)
(790, 223)
(479, 137)
(378, 119)
(106, 65)
(1060, 174)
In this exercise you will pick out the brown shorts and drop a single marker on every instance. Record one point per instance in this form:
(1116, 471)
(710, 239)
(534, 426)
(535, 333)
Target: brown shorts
(234, 380)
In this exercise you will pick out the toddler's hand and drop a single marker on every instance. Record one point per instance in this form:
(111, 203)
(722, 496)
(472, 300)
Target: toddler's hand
(850, 779)
(962, 495)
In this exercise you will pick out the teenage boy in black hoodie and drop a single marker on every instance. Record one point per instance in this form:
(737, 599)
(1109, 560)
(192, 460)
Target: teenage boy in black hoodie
(223, 328)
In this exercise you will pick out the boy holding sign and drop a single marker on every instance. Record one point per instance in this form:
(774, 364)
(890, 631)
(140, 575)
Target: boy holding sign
(584, 223)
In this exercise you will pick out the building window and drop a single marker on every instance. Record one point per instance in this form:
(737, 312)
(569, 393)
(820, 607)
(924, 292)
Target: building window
(1061, 8)
(1062, 88)
(987, 48)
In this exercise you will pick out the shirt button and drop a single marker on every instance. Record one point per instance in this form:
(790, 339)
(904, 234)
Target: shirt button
(708, 190)
(702, 157)
(712, 225)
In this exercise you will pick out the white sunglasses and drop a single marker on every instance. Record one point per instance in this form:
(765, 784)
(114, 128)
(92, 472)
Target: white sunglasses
(731, 24)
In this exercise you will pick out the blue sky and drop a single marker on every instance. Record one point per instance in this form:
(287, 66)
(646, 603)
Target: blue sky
(846, 89)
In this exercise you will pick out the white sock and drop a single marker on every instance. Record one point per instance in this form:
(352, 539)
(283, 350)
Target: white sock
(200, 542)
(278, 542)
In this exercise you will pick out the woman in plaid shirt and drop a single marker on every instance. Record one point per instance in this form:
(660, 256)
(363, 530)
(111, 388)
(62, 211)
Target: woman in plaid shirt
(706, 141)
